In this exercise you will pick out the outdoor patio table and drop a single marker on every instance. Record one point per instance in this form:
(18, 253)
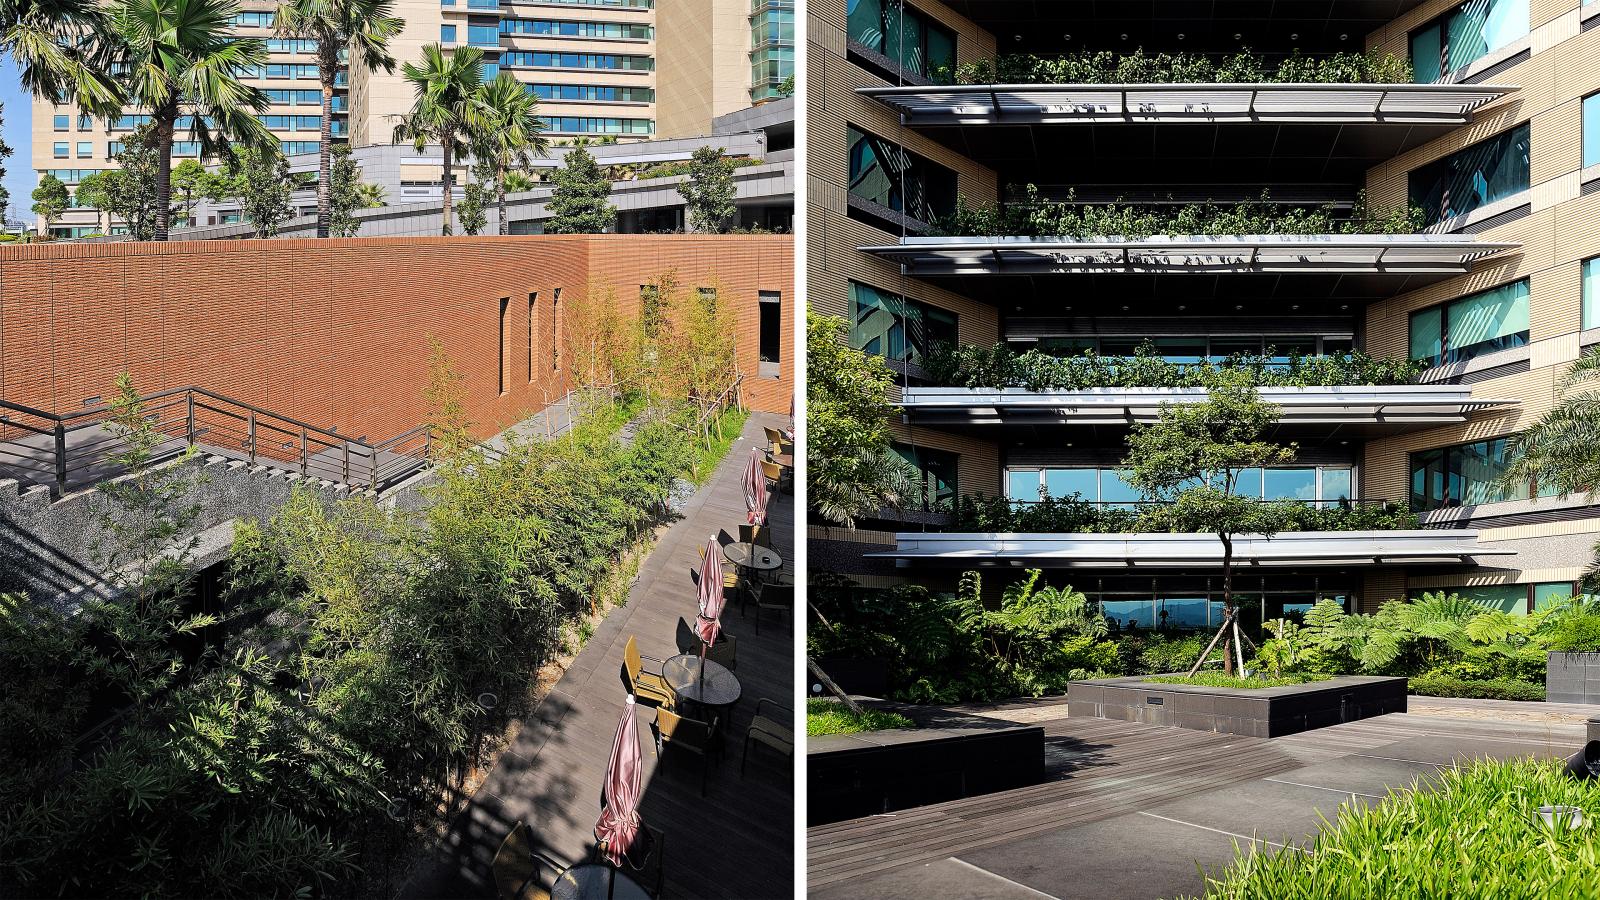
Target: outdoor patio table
(682, 675)
(749, 556)
(784, 459)
(593, 881)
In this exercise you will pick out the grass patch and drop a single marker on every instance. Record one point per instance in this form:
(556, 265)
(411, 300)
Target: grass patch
(731, 423)
(825, 716)
(1473, 833)
(1220, 680)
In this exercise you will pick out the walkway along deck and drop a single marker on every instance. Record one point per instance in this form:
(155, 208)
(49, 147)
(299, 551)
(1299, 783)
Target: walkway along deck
(738, 840)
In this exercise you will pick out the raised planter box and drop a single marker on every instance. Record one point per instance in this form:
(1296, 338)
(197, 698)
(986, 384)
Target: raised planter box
(1573, 678)
(854, 775)
(1259, 712)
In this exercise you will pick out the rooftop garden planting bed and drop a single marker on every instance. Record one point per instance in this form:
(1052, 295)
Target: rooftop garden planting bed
(1250, 682)
(1138, 67)
(827, 716)
(999, 366)
(1071, 515)
(1035, 216)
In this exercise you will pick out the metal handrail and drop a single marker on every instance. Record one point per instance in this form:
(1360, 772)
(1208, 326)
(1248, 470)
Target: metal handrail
(300, 441)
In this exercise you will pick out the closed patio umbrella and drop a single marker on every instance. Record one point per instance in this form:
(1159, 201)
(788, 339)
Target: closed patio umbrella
(755, 489)
(619, 821)
(711, 599)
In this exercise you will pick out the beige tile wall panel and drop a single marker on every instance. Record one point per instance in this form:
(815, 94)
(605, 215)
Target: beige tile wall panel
(977, 471)
(1380, 585)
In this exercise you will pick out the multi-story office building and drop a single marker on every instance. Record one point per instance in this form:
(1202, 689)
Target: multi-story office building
(591, 63)
(1494, 134)
(720, 56)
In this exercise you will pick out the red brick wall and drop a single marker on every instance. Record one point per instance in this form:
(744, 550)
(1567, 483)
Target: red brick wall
(336, 332)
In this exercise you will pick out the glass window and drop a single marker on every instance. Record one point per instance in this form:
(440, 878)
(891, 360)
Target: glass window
(1022, 485)
(1461, 475)
(1247, 483)
(1062, 483)
(1487, 171)
(60, 149)
(62, 123)
(936, 472)
(770, 330)
(85, 149)
(1290, 484)
(1130, 614)
(1496, 319)
(1182, 612)
(1591, 293)
(1551, 593)
(1115, 491)
(892, 177)
(1591, 130)
(904, 35)
(894, 327)
(1336, 485)
(1508, 598)
(1466, 34)
(447, 34)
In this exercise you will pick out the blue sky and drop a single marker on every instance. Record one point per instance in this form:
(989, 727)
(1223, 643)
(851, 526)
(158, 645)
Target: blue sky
(18, 134)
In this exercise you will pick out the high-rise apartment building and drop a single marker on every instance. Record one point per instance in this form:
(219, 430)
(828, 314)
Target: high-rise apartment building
(718, 57)
(591, 63)
(1488, 122)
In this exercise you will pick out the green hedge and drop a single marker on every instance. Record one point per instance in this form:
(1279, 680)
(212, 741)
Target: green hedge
(1072, 515)
(999, 366)
(1138, 67)
(1475, 688)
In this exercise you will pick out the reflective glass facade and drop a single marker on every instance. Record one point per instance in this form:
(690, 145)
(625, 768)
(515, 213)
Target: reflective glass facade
(1496, 319)
(886, 174)
(1465, 35)
(1325, 485)
(916, 43)
(1476, 176)
(888, 325)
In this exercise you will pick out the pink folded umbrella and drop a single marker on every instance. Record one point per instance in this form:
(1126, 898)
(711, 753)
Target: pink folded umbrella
(619, 821)
(711, 598)
(755, 489)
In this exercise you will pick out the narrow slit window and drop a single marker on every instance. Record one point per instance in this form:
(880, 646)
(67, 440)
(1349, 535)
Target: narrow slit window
(533, 309)
(500, 367)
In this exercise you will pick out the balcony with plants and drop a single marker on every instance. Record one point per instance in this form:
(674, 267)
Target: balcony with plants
(978, 513)
(1109, 67)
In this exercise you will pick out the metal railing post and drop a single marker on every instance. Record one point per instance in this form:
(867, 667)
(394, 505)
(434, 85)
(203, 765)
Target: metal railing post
(302, 450)
(61, 456)
(189, 419)
(252, 437)
(346, 448)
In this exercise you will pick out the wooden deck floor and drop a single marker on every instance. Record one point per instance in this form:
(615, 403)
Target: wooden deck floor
(1099, 770)
(735, 842)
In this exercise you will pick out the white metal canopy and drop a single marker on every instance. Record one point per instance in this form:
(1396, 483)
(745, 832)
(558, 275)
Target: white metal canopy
(1354, 405)
(1073, 104)
(1377, 254)
(1131, 551)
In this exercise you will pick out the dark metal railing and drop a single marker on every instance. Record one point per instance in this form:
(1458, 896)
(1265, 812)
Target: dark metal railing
(84, 446)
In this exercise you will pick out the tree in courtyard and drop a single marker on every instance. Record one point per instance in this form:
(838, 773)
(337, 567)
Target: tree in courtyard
(709, 191)
(146, 549)
(851, 469)
(361, 27)
(1561, 451)
(259, 179)
(598, 346)
(580, 204)
(190, 182)
(1189, 461)
(348, 194)
(184, 60)
(447, 110)
(472, 213)
(94, 192)
(512, 135)
(50, 200)
(129, 191)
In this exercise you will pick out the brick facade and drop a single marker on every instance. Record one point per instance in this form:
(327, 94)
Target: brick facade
(336, 332)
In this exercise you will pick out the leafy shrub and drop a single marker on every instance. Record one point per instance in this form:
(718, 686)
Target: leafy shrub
(1072, 515)
(1032, 215)
(1138, 67)
(1161, 654)
(1476, 688)
(1218, 679)
(1473, 827)
(1576, 633)
(999, 366)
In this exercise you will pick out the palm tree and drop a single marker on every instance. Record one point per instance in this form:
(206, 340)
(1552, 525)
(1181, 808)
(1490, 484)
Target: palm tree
(447, 108)
(513, 134)
(1561, 451)
(61, 50)
(183, 58)
(365, 26)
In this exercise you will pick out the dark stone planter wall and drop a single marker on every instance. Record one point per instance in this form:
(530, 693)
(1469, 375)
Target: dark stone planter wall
(1573, 678)
(1259, 712)
(855, 775)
